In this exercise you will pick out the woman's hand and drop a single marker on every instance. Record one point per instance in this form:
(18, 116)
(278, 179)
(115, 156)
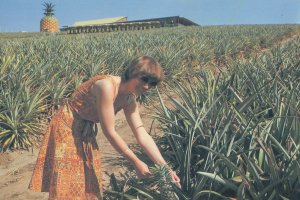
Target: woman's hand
(141, 169)
(175, 178)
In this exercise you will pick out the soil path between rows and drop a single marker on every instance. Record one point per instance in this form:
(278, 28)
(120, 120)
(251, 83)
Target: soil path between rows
(16, 167)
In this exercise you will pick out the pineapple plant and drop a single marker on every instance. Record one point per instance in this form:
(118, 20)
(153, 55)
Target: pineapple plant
(158, 186)
(49, 23)
(164, 182)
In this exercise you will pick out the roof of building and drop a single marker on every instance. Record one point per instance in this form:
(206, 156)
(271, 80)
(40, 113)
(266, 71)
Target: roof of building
(178, 19)
(123, 20)
(100, 21)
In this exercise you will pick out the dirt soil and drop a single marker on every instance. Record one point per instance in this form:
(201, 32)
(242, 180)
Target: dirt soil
(16, 167)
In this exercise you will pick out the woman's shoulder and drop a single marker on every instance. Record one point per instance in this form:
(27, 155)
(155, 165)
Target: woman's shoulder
(105, 84)
(106, 80)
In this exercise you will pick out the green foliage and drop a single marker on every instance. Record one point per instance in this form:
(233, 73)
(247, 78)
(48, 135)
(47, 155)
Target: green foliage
(21, 107)
(226, 130)
(158, 186)
(57, 64)
(237, 134)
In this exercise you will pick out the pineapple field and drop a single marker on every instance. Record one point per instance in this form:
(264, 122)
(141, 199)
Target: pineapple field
(227, 117)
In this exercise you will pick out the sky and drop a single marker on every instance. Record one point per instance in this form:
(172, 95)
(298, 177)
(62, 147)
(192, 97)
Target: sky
(25, 15)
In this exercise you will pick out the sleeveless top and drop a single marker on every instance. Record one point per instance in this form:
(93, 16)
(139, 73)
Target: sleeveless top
(83, 102)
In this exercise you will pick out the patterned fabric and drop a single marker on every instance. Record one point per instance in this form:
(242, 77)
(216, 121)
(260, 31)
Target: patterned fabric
(83, 103)
(69, 162)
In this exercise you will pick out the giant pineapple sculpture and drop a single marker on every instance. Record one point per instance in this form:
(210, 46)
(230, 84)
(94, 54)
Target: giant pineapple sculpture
(49, 23)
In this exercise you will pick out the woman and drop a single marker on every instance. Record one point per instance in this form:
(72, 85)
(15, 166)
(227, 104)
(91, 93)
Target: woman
(69, 163)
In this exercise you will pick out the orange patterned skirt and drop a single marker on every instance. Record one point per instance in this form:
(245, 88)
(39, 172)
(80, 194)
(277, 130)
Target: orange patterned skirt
(69, 163)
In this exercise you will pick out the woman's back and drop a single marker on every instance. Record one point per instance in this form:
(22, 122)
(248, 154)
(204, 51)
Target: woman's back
(82, 102)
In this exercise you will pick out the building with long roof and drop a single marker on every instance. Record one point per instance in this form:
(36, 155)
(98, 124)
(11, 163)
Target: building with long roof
(122, 24)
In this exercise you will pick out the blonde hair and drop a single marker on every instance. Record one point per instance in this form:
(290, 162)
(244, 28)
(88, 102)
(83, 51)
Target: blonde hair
(144, 66)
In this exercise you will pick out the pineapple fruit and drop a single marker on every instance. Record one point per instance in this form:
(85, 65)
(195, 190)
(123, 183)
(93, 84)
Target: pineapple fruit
(49, 23)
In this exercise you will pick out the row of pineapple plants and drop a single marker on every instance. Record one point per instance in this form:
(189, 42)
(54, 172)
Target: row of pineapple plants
(231, 136)
(37, 73)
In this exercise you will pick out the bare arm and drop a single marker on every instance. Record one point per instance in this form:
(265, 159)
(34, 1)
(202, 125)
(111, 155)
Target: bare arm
(144, 139)
(103, 90)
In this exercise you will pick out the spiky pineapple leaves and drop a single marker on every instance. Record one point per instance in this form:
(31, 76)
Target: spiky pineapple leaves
(158, 186)
(21, 114)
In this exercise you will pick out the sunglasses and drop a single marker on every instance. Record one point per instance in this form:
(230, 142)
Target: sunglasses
(149, 81)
